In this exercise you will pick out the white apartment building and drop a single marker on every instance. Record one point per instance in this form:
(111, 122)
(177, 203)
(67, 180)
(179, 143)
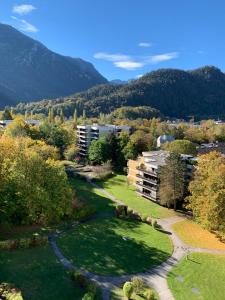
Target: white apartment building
(87, 133)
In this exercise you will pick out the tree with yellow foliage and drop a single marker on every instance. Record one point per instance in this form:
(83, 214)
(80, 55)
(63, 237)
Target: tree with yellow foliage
(207, 199)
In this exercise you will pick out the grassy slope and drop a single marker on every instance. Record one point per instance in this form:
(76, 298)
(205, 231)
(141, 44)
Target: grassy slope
(99, 247)
(192, 234)
(203, 271)
(38, 274)
(117, 186)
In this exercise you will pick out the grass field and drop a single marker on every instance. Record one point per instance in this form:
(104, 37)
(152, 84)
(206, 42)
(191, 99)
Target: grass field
(117, 186)
(193, 234)
(201, 277)
(99, 246)
(86, 192)
(38, 274)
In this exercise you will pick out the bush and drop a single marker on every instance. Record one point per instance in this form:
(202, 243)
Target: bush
(84, 212)
(149, 294)
(154, 224)
(88, 296)
(127, 289)
(138, 285)
(9, 293)
(23, 243)
(144, 218)
(79, 278)
(149, 220)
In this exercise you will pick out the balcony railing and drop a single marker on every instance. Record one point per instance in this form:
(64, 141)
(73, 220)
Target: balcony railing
(146, 195)
(147, 171)
(154, 181)
(152, 188)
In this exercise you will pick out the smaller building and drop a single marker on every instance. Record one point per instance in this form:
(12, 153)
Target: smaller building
(162, 139)
(144, 173)
(87, 133)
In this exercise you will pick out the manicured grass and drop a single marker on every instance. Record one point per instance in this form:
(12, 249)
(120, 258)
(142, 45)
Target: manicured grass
(117, 294)
(38, 274)
(204, 272)
(99, 247)
(90, 195)
(117, 186)
(193, 234)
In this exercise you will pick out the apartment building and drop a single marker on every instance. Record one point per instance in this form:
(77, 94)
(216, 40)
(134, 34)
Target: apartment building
(87, 133)
(144, 173)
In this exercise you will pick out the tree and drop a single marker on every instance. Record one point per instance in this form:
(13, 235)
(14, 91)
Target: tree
(75, 116)
(6, 115)
(115, 152)
(33, 190)
(138, 285)
(98, 151)
(62, 116)
(181, 147)
(128, 289)
(71, 152)
(16, 128)
(172, 181)
(207, 199)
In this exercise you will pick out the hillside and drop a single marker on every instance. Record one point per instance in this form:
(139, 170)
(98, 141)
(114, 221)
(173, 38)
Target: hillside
(174, 93)
(30, 71)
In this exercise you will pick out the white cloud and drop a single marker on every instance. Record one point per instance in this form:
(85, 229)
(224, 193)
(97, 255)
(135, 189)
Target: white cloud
(111, 57)
(23, 9)
(131, 63)
(144, 44)
(155, 59)
(24, 25)
(139, 76)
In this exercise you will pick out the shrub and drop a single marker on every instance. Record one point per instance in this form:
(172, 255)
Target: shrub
(91, 287)
(127, 289)
(154, 224)
(149, 220)
(138, 285)
(23, 243)
(84, 212)
(149, 294)
(9, 293)
(144, 218)
(88, 296)
(79, 278)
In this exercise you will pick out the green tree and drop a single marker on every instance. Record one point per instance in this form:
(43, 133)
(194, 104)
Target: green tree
(172, 181)
(98, 151)
(6, 115)
(62, 116)
(128, 289)
(181, 147)
(16, 128)
(207, 199)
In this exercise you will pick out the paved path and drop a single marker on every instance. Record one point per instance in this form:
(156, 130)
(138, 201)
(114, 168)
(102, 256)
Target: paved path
(155, 277)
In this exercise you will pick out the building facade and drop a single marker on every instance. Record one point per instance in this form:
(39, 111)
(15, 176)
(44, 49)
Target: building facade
(87, 133)
(144, 173)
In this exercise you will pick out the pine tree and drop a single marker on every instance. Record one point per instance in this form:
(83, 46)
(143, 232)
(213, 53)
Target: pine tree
(51, 115)
(75, 116)
(62, 116)
(7, 115)
(172, 181)
(84, 114)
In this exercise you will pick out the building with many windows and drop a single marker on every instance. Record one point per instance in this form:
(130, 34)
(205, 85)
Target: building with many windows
(87, 133)
(144, 172)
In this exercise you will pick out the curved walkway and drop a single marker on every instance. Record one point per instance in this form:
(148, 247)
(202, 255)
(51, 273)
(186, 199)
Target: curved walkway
(155, 277)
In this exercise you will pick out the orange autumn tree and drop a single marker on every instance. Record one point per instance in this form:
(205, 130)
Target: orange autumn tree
(207, 199)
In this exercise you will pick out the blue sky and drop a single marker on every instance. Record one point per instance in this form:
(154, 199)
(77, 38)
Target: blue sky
(126, 38)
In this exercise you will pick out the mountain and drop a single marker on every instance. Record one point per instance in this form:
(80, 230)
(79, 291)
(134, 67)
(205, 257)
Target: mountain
(30, 71)
(118, 81)
(175, 93)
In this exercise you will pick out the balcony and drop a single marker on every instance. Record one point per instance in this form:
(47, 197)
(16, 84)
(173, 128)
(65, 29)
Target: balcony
(149, 187)
(147, 195)
(150, 180)
(147, 171)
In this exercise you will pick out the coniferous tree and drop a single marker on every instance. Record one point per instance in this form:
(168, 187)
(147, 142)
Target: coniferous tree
(172, 181)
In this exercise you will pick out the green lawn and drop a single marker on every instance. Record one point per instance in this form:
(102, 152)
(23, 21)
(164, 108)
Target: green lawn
(117, 185)
(90, 195)
(98, 246)
(205, 272)
(38, 274)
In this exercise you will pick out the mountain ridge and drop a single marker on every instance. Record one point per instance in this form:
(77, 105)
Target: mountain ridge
(174, 92)
(30, 71)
